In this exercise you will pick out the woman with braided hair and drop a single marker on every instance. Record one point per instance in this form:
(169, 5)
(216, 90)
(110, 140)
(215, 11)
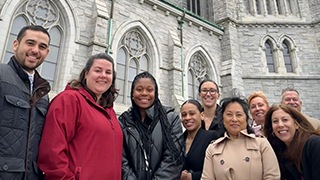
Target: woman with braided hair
(152, 135)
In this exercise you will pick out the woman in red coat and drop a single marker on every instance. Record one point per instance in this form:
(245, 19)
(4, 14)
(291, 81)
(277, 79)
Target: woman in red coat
(82, 138)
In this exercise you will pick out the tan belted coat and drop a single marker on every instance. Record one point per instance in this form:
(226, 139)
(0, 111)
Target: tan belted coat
(246, 158)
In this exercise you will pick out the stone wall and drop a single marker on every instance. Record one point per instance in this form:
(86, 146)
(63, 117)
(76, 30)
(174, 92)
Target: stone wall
(273, 86)
(161, 24)
(235, 55)
(314, 9)
(250, 41)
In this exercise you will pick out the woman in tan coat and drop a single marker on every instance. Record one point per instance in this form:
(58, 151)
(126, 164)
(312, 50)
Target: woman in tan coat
(239, 154)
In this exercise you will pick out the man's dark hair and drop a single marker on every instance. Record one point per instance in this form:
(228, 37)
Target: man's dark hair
(22, 32)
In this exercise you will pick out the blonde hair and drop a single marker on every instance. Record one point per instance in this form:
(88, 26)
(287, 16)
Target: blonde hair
(258, 94)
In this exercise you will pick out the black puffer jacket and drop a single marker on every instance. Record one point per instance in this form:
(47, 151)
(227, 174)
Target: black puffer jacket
(22, 116)
(161, 164)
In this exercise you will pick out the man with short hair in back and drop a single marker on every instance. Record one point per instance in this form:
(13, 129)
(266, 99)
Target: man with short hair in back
(24, 104)
(290, 97)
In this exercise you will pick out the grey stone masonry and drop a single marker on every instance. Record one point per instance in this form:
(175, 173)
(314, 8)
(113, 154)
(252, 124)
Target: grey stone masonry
(231, 35)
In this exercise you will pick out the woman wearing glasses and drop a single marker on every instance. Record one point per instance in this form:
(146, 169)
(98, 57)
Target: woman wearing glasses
(211, 114)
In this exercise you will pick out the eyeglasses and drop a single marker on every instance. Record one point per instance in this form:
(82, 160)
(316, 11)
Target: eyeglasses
(211, 91)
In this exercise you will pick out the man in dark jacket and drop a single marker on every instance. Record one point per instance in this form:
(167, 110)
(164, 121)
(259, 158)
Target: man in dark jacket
(23, 105)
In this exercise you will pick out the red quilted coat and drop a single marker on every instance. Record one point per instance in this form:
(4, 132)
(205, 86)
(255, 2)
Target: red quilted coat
(80, 140)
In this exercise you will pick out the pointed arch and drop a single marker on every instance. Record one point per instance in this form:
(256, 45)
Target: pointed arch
(206, 69)
(288, 58)
(269, 54)
(264, 39)
(142, 27)
(144, 53)
(284, 37)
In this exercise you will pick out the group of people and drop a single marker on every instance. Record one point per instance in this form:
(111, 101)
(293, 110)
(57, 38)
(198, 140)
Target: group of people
(78, 135)
(294, 136)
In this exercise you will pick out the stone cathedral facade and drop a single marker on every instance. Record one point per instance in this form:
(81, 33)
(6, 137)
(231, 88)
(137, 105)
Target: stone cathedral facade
(243, 45)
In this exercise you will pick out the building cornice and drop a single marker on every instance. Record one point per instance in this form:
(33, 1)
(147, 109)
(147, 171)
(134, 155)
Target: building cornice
(189, 17)
(268, 23)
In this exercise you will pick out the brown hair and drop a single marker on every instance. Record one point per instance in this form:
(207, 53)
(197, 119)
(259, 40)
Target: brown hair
(108, 97)
(258, 94)
(208, 80)
(294, 151)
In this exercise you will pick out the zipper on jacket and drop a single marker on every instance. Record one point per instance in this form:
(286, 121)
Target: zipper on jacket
(29, 131)
(144, 152)
(29, 134)
(114, 150)
(28, 144)
(145, 158)
(139, 142)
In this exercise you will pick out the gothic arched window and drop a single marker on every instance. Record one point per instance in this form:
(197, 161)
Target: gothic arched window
(269, 57)
(132, 58)
(197, 73)
(287, 57)
(46, 14)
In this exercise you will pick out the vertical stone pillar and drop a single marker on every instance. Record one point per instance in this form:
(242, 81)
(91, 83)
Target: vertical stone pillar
(253, 7)
(263, 5)
(286, 6)
(100, 18)
(275, 8)
(231, 66)
(175, 71)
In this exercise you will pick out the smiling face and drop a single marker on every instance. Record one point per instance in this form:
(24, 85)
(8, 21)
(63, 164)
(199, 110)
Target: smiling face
(258, 109)
(31, 51)
(234, 119)
(283, 126)
(143, 93)
(208, 94)
(190, 117)
(99, 77)
(291, 98)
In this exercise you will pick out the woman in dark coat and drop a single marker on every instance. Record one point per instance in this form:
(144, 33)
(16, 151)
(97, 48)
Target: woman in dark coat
(152, 147)
(295, 142)
(196, 140)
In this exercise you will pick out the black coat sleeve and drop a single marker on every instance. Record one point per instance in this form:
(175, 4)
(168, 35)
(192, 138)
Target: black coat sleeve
(127, 172)
(205, 138)
(169, 168)
(311, 151)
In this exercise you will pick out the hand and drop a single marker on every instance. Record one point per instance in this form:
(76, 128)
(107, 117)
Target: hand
(185, 175)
